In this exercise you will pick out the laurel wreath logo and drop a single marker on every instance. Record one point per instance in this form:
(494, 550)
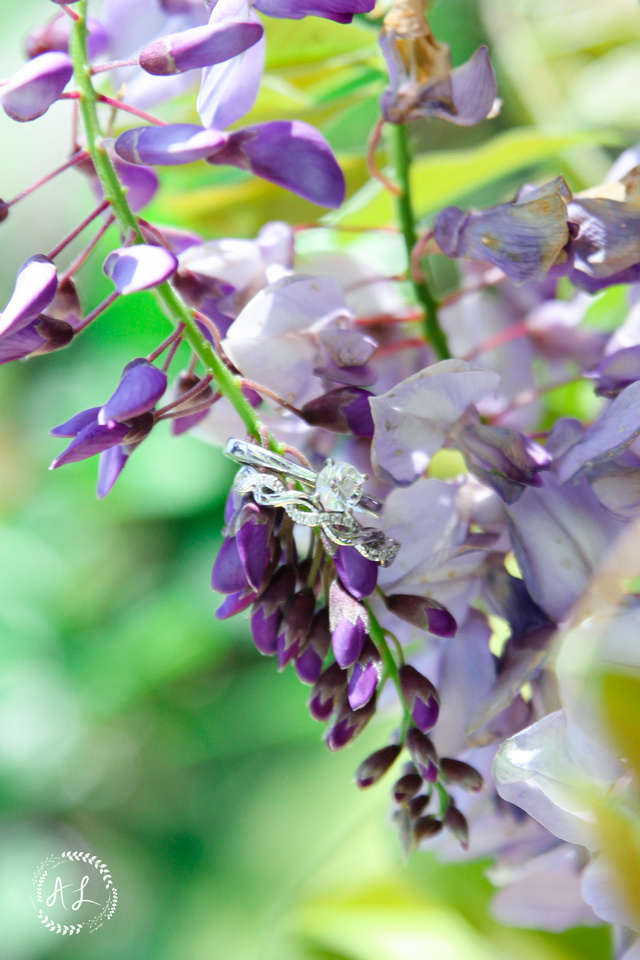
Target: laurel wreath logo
(50, 864)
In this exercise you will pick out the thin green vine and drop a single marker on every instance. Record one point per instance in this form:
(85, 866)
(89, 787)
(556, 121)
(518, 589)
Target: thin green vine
(227, 383)
(377, 634)
(432, 329)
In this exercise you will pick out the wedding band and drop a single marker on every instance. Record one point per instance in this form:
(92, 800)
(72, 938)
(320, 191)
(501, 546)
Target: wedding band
(255, 456)
(337, 489)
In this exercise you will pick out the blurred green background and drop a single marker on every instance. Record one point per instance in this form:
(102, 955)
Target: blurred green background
(133, 724)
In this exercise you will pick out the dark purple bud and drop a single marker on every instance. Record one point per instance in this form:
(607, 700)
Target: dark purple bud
(140, 267)
(358, 574)
(456, 822)
(512, 600)
(140, 388)
(172, 144)
(418, 804)
(34, 290)
(423, 753)
(4, 210)
(289, 153)
(376, 765)
(56, 334)
(253, 535)
(426, 827)
(296, 625)
(349, 724)
(235, 603)
(92, 439)
(461, 774)
(37, 84)
(265, 630)
(66, 303)
(420, 697)
(280, 589)
(199, 47)
(328, 693)
(365, 676)
(309, 663)
(349, 623)
(139, 428)
(341, 11)
(407, 787)
(422, 612)
(346, 410)
(228, 574)
(110, 466)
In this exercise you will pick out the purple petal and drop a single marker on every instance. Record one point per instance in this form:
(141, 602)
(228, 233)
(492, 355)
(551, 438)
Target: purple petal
(70, 428)
(140, 267)
(265, 630)
(309, 665)
(199, 47)
(169, 145)
(228, 574)
(20, 344)
(30, 92)
(92, 439)
(616, 371)
(181, 424)
(473, 91)
(362, 684)
(229, 90)
(608, 234)
(139, 390)
(358, 574)
(235, 603)
(141, 183)
(348, 640)
(110, 467)
(35, 288)
(291, 154)
(253, 546)
(611, 433)
(342, 11)
(524, 239)
(425, 715)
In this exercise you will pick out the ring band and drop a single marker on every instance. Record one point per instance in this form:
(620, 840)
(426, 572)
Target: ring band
(255, 456)
(336, 491)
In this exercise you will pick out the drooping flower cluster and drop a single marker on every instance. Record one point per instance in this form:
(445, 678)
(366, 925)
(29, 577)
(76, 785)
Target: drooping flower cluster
(312, 355)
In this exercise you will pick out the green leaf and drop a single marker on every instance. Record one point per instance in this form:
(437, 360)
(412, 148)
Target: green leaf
(291, 43)
(447, 176)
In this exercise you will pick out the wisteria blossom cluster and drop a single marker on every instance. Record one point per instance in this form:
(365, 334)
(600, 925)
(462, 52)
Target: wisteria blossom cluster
(501, 517)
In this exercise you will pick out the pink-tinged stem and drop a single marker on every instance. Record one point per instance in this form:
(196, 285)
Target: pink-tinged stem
(386, 319)
(114, 65)
(121, 105)
(86, 253)
(416, 254)
(177, 333)
(90, 317)
(265, 391)
(185, 397)
(74, 233)
(374, 171)
(69, 11)
(210, 325)
(500, 339)
(71, 162)
(388, 349)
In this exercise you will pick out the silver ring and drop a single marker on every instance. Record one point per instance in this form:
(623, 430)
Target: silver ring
(337, 489)
(255, 456)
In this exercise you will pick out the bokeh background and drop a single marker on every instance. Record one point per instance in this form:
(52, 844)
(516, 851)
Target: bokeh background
(132, 723)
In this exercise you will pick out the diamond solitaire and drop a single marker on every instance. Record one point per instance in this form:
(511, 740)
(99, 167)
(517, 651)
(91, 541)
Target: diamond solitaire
(339, 486)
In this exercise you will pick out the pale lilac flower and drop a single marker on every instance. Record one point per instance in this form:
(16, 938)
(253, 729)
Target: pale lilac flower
(35, 288)
(139, 267)
(199, 47)
(29, 93)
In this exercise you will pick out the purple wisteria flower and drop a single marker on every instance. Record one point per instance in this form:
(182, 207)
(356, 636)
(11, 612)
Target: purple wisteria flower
(116, 428)
(29, 93)
(423, 82)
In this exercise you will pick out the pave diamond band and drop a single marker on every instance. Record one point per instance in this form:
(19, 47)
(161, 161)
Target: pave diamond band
(337, 490)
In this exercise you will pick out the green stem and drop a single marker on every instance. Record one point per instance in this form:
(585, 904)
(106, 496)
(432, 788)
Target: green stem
(227, 383)
(432, 329)
(377, 634)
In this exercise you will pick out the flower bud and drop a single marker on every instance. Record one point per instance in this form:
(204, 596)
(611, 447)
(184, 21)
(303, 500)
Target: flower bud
(365, 676)
(461, 774)
(376, 765)
(309, 661)
(199, 47)
(456, 822)
(327, 692)
(418, 804)
(423, 754)
(426, 827)
(358, 574)
(37, 84)
(346, 410)
(420, 697)
(140, 267)
(407, 787)
(295, 626)
(422, 612)
(349, 623)
(35, 288)
(349, 724)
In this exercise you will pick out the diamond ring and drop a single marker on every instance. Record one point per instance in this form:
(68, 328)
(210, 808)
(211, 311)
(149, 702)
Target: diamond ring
(336, 491)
